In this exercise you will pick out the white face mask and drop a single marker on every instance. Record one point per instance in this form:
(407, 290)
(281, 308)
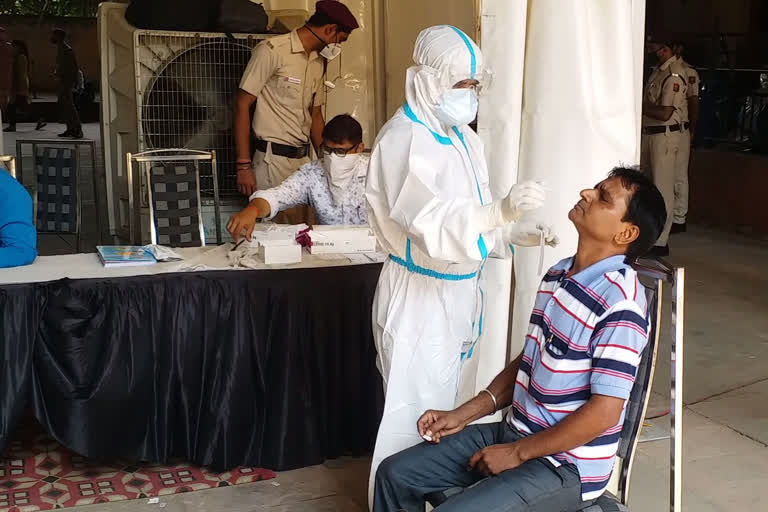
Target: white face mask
(457, 107)
(341, 171)
(331, 51)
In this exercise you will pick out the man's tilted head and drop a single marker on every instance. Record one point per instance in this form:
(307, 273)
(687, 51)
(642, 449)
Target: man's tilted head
(625, 212)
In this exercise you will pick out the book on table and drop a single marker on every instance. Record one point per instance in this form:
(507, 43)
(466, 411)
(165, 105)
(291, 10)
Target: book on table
(124, 255)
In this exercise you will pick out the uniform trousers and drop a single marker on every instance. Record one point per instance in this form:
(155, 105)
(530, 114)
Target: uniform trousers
(659, 158)
(680, 211)
(270, 171)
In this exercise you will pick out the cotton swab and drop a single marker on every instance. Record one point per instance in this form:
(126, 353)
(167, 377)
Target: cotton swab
(541, 252)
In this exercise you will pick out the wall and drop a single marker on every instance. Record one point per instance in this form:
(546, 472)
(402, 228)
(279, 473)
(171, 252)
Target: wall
(403, 20)
(727, 191)
(82, 36)
(354, 73)
(699, 24)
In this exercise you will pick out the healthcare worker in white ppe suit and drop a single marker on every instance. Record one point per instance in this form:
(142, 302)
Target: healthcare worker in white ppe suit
(431, 208)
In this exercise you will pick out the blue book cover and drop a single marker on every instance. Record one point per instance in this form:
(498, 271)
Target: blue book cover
(124, 255)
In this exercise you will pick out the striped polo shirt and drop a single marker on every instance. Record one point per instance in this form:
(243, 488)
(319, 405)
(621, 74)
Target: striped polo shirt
(586, 335)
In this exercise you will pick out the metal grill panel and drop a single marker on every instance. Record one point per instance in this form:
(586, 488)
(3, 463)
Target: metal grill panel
(186, 85)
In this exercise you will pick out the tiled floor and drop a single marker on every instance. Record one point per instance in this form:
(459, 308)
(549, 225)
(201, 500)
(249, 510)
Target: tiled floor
(726, 392)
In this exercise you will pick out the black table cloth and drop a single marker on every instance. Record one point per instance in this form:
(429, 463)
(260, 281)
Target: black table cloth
(269, 368)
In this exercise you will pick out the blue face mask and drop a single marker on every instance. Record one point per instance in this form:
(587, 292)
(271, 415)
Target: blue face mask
(457, 107)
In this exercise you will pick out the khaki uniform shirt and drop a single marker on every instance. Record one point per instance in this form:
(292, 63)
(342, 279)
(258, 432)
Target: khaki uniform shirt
(667, 87)
(692, 78)
(288, 84)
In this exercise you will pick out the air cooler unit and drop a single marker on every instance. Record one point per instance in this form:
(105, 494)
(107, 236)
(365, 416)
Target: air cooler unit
(165, 89)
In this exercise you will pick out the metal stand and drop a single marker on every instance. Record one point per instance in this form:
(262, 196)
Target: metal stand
(675, 276)
(67, 143)
(11, 161)
(676, 408)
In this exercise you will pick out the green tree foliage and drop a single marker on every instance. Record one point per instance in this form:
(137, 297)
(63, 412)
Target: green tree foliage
(68, 8)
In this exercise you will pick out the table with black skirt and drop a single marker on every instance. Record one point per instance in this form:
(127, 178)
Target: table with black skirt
(273, 368)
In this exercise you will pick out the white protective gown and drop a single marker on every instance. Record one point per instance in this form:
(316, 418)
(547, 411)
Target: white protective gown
(426, 182)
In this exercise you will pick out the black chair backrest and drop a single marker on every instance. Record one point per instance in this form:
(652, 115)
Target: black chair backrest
(635, 408)
(173, 190)
(57, 190)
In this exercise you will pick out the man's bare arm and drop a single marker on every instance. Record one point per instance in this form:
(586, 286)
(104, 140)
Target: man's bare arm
(246, 182)
(242, 124)
(659, 113)
(577, 429)
(316, 131)
(502, 387)
(437, 424)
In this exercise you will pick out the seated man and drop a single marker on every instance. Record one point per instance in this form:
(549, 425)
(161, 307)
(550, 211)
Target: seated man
(18, 238)
(555, 449)
(334, 185)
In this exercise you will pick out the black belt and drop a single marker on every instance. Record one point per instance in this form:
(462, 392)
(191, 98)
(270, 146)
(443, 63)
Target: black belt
(654, 130)
(283, 150)
(686, 125)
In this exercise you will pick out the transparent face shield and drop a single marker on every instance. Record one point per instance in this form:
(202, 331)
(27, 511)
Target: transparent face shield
(480, 82)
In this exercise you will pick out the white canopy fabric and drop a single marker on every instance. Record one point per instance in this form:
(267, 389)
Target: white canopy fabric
(563, 107)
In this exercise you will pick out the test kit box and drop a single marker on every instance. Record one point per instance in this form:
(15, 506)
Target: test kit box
(342, 240)
(279, 252)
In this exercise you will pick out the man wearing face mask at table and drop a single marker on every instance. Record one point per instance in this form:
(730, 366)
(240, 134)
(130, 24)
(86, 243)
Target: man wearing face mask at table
(333, 185)
(285, 74)
(431, 208)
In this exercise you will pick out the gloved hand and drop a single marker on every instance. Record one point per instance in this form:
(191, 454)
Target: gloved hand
(524, 197)
(528, 234)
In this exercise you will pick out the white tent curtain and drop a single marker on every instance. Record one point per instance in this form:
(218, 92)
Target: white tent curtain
(502, 29)
(563, 107)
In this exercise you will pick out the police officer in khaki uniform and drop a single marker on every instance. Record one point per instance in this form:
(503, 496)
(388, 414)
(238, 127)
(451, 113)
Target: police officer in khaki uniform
(690, 119)
(285, 79)
(664, 101)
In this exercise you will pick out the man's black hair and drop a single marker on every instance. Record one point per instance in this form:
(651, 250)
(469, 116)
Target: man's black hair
(645, 209)
(343, 128)
(321, 19)
(60, 32)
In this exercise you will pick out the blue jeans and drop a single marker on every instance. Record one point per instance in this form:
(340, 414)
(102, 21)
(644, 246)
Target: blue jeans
(405, 479)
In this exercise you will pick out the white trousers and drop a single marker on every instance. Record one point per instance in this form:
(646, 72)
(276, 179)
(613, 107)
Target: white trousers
(659, 157)
(420, 325)
(680, 210)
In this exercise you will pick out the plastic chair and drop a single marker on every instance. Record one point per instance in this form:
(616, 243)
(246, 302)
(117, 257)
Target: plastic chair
(56, 197)
(172, 180)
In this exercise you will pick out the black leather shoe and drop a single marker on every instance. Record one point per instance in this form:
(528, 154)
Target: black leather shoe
(78, 135)
(66, 134)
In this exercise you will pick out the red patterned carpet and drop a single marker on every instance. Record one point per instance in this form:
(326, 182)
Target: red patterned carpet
(37, 473)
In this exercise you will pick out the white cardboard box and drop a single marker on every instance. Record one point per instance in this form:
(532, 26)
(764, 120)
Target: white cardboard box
(277, 252)
(342, 240)
(273, 237)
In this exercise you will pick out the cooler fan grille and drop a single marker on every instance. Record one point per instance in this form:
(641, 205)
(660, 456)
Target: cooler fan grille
(187, 85)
